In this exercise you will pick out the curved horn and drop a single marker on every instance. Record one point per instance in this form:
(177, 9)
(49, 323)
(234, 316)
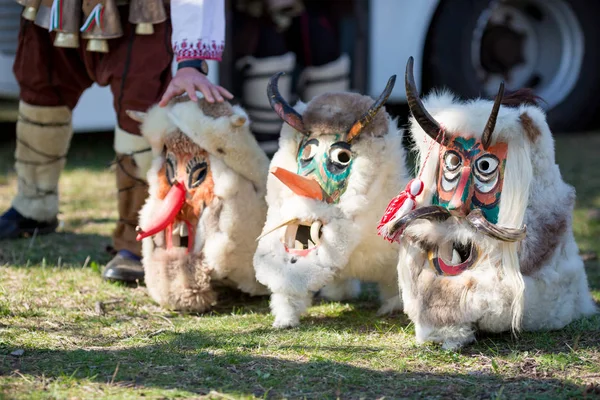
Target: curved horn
(368, 116)
(432, 213)
(486, 138)
(478, 221)
(281, 107)
(417, 109)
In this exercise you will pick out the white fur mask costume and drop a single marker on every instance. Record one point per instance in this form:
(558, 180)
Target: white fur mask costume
(490, 245)
(340, 157)
(206, 203)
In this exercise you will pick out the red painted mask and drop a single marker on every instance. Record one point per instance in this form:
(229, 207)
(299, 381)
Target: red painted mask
(186, 169)
(470, 177)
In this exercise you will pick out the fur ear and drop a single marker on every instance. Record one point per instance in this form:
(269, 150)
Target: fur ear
(532, 131)
(138, 116)
(237, 120)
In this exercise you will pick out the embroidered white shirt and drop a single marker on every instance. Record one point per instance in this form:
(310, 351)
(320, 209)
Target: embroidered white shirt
(198, 29)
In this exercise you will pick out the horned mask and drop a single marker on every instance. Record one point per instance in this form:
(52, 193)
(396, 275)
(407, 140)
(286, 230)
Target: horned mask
(488, 244)
(206, 203)
(339, 155)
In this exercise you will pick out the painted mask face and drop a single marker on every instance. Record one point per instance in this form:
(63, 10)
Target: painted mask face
(466, 202)
(186, 165)
(470, 177)
(328, 160)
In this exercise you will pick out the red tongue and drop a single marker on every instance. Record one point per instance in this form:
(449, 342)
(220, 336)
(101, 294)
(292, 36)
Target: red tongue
(172, 204)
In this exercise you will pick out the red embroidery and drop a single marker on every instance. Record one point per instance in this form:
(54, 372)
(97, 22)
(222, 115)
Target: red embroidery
(206, 50)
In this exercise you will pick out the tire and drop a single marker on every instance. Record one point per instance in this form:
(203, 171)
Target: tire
(459, 53)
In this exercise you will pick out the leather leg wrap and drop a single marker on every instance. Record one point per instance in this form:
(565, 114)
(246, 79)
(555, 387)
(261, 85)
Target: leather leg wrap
(132, 194)
(134, 159)
(136, 146)
(43, 139)
(327, 78)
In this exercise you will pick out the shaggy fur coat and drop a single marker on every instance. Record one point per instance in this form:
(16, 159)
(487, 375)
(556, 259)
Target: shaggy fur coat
(234, 206)
(537, 284)
(350, 248)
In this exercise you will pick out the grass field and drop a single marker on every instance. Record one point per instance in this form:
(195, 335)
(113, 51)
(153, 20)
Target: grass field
(64, 333)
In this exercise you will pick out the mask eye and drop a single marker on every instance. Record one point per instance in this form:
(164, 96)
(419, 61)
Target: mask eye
(309, 151)
(451, 161)
(486, 173)
(486, 165)
(450, 170)
(340, 156)
(197, 172)
(170, 168)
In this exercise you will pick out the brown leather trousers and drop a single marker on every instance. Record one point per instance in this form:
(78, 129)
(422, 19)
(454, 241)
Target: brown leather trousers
(138, 70)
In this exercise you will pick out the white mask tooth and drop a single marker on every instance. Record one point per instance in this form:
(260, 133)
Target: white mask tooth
(183, 231)
(314, 232)
(310, 244)
(290, 235)
(299, 245)
(455, 257)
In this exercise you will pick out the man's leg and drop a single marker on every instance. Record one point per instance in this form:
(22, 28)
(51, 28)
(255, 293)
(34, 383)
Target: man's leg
(51, 81)
(138, 69)
(133, 159)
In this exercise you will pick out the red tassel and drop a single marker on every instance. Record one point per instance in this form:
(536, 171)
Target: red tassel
(398, 207)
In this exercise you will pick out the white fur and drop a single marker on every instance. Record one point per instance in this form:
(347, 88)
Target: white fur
(351, 248)
(496, 296)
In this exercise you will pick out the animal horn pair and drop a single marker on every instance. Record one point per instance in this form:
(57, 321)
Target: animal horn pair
(294, 119)
(429, 124)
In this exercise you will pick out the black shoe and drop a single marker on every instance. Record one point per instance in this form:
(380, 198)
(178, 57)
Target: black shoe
(13, 225)
(124, 267)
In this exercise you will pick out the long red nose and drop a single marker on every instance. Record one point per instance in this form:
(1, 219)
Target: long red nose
(300, 185)
(461, 200)
(170, 207)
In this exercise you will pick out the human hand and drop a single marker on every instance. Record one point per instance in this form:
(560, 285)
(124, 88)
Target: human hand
(189, 80)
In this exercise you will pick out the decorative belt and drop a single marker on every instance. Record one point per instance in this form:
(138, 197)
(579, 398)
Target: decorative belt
(95, 20)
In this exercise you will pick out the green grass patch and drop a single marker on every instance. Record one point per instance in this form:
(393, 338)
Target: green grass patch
(50, 287)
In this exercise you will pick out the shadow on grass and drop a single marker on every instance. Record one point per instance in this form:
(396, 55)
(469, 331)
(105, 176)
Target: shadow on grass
(199, 362)
(64, 249)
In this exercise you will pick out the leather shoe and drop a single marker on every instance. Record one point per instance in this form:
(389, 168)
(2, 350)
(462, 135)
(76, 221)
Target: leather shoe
(13, 225)
(124, 267)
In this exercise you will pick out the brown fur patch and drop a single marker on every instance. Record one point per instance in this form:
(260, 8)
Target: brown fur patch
(545, 231)
(531, 129)
(216, 109)
(180, 281)
(336, 113)
(442, 298)
(470, 284)
(184, 149)
(179, 143)
(213, 110)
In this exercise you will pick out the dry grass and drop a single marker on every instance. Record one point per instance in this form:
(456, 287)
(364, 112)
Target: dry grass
(72, 347)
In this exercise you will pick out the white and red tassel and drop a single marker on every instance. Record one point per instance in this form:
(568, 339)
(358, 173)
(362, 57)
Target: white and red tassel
(400, 205)
(56, 16)
(96, 18)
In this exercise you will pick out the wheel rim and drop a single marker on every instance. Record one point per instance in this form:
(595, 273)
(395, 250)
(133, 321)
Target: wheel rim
(529, 43)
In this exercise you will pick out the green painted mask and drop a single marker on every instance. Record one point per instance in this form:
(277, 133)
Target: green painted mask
(328, 160)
